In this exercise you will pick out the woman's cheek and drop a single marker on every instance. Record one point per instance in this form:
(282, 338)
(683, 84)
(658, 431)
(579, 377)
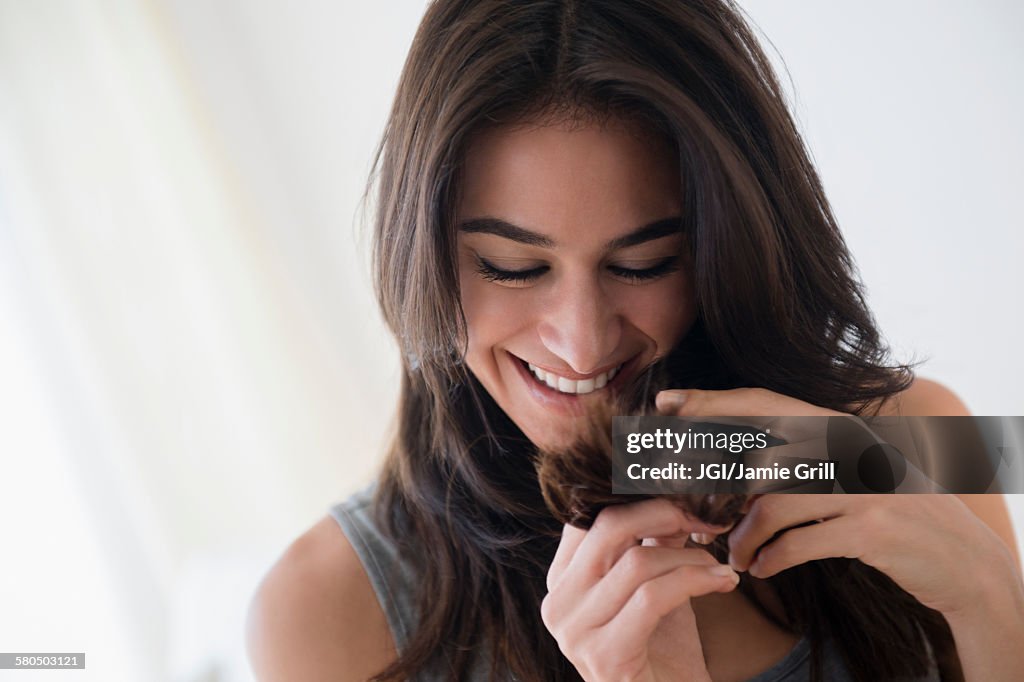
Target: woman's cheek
(663, 311)
(494, 314)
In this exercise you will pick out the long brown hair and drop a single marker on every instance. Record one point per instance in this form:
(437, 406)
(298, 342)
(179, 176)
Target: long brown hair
(779, 306)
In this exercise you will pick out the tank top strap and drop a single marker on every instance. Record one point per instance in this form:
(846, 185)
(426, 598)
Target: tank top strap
(391, 575)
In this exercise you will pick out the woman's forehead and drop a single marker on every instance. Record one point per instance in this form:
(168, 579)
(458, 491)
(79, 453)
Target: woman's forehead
(556, 177)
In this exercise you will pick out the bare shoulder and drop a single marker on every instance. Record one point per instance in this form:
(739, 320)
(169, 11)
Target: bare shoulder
(925, 398)
(928, 398)
(315, 615)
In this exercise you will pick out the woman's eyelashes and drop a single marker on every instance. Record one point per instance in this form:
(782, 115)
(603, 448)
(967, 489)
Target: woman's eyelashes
(492, 273)
(660, 269)
(495, 274)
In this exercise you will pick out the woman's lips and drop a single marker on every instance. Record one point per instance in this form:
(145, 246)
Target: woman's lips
(574, 386)
(565, 396)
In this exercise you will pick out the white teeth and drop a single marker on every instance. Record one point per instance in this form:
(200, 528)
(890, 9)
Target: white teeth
(580, 387)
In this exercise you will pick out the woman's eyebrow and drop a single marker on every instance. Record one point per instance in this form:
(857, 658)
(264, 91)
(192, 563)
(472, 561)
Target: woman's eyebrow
(501, 228)
(649, 232)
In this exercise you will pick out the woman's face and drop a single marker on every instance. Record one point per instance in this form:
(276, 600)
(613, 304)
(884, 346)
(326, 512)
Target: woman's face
(571, 267)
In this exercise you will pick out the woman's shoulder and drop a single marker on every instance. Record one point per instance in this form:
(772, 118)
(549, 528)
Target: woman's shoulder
(315, 615)
(924, 398)
(928, 398)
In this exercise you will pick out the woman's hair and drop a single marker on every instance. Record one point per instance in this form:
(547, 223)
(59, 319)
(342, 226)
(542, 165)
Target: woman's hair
(778, 303)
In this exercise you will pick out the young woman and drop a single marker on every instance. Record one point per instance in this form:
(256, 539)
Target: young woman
(568, 191)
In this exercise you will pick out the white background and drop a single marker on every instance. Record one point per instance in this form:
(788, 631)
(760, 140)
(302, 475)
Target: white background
(191, 366)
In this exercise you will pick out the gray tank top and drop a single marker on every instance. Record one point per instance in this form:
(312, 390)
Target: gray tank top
(394, 582)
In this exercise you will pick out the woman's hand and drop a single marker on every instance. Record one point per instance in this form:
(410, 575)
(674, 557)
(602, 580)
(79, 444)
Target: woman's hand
(618, 594)
(933, 546)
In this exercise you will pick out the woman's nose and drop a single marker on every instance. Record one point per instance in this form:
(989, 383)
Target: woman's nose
(581, 325)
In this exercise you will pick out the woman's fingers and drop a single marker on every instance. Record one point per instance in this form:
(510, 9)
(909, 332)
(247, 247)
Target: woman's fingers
(633, 626)
(736, 402)
(839, 537)
(583, 557)
(571, 539)
(607, 582)
(620, 527)
(770, 514)
(614, 646)
(637, 566)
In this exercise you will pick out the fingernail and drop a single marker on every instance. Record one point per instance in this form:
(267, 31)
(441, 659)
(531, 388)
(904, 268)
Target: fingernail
(723, 570)
(700, 538)
(669, 400)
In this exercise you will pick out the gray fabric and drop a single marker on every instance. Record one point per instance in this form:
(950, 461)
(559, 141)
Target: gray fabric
(391, 577)
(394, 582)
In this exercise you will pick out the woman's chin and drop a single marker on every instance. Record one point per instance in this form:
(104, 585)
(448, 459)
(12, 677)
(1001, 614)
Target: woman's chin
(560, 435)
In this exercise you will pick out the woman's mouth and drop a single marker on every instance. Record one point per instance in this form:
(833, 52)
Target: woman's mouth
(564, 395)
(573, 386)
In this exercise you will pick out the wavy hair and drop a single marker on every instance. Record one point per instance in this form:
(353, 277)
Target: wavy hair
(779, 306)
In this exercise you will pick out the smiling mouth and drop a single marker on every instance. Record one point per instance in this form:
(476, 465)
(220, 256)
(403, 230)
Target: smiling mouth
(571, 386)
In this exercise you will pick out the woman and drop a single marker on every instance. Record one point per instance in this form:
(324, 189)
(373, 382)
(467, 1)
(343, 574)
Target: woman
(568, 191)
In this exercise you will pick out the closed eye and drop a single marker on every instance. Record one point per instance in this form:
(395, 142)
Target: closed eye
(660, 269)
(495, 274)
(492, 273)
